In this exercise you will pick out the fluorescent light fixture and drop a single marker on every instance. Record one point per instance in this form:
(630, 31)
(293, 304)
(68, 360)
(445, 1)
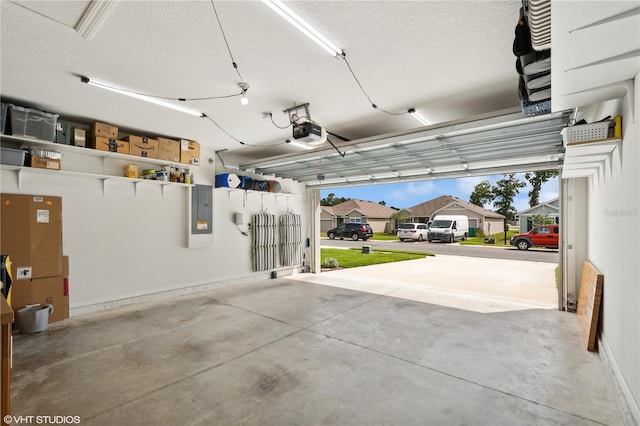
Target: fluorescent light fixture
(295, 20)
(415, 114)
(141, 97)
(300, 144)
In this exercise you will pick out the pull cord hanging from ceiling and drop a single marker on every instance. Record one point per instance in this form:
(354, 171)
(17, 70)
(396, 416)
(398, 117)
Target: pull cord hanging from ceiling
(244, 86)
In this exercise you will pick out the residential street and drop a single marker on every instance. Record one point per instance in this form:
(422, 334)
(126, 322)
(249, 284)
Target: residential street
(498, 252)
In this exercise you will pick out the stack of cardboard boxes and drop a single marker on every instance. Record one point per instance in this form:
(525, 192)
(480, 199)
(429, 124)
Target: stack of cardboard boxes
(104, 137)
(32, 236)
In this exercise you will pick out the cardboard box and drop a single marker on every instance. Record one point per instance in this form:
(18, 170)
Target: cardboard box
(65, 291)
(111, 145)
(32, 235)
(189, 152)
(142, 146)
(104, 130)
(38, 291)
(79, 137)
(168, 150)
(65, 266)
(46, 163)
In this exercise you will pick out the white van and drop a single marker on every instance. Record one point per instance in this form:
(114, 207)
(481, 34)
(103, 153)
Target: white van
(449, 228)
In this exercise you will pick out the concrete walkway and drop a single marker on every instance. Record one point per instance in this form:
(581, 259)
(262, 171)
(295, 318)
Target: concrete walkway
(291, 352)
(476, 284)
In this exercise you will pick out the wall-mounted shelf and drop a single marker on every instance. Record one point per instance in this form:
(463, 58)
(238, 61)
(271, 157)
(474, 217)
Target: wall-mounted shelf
(26, 142)
(20, 171)
(252, 191)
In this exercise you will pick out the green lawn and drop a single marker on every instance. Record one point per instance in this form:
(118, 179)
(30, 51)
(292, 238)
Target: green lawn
(354, 257)
(376, 236)
(479, 241)
(384, 237)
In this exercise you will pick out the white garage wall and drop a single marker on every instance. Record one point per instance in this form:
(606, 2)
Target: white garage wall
(613, 247)
(127, 245)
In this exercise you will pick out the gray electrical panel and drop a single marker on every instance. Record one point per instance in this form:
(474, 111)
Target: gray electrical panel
(202, 209)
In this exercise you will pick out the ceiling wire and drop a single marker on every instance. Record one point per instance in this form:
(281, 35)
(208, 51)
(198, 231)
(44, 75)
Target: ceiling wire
(236, 139)
(280, 127)
(224, 36)
(373, 105)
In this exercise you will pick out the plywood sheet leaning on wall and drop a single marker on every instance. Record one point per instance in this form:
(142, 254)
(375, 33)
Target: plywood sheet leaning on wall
(589, 303)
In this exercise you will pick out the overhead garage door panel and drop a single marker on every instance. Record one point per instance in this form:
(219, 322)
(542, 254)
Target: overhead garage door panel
(498, 144)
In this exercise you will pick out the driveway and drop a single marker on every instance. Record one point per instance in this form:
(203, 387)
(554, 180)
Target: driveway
(470, 283)
(455, 249)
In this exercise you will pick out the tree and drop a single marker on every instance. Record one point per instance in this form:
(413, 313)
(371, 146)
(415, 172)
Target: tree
(503, 193)
(401, 216)
(536, 179)
(482, 194)
(539, 219)
(384, 203)
(332, 200)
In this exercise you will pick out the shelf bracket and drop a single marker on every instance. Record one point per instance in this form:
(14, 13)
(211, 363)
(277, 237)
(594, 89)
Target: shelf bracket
(104, 184)
(19, 175)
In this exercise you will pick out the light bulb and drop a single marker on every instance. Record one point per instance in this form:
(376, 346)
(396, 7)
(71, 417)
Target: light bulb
(244, 87)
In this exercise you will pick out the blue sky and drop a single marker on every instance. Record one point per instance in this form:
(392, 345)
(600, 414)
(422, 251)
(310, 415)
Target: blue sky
(402, 195)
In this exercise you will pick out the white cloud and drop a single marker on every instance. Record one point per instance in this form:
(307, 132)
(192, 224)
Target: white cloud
(549, 190)
(413, 189)
(465, 186)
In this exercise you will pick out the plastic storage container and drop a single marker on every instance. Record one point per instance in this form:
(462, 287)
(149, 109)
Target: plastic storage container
(32, 122)
(12, 157)
(585, 132)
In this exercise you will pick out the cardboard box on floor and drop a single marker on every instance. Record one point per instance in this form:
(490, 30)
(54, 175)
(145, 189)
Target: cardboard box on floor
(65, 286)
(32, 235)
(38, 291)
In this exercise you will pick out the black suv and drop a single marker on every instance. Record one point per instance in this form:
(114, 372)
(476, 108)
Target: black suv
(354, 231)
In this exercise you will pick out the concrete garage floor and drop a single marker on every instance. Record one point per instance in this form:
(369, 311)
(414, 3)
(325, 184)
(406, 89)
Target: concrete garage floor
(286, 351)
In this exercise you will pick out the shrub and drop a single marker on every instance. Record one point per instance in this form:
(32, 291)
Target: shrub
(479, 232)
(330, 262)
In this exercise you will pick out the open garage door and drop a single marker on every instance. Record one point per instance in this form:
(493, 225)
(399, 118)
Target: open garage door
(505, 142)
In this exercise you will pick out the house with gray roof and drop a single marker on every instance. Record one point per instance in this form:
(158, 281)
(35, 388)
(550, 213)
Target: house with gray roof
(550, 210)
(358, 211)
(479, 218)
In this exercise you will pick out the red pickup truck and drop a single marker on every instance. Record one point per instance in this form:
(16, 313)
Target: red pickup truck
(540, 236)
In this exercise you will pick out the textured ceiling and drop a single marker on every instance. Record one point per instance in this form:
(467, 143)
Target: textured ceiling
(447, 59)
